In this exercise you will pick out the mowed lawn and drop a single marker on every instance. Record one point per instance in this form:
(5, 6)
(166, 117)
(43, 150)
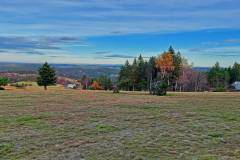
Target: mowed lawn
(74, 124)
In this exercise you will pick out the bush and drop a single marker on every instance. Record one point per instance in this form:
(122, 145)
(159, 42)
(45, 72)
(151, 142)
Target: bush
(20, 85)
(95, 86)
(4, 81)
(115, 89)
(159, 88)
(219, 89)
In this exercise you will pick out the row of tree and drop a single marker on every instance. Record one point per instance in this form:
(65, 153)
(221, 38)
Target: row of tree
(163, 70)
(171, 71)
(47, 76)
(100, 83)
(221, 78)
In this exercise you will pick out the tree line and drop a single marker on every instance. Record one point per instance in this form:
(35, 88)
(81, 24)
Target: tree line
(221, 78)
(170, 71)
(47, 76)
(157, 75)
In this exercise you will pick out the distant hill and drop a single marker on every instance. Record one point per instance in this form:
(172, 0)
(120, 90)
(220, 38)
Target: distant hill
(72, 70)
(66, 70)
(202, 69)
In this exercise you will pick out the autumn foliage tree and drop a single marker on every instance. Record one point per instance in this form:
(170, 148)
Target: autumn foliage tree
(95, 86)
(165, 66)
(152, 74)
(191, 80)
(170, 71)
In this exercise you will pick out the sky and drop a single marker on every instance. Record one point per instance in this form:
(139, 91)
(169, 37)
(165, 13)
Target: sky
(112, 31)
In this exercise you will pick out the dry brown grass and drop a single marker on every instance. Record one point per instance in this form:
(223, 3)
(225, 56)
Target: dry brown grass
(75, 124)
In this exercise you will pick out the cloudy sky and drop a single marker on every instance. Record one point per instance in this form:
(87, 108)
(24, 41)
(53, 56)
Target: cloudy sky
(111, 31)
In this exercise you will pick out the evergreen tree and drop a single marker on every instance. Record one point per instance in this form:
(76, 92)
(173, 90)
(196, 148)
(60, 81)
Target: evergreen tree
(178, 65)
(171, 50)
(141, 76)
(177, 61)
(151, 72)
(227, 78)
(46, 76)
(3, 82)
(134, 74)
(235, 72)
(124, 79)
(105, 82)
(217, 77)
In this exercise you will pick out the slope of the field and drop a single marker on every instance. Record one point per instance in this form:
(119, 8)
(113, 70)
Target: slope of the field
(72, 124)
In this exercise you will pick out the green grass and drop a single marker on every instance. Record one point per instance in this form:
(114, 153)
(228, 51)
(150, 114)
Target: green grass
(68, 124)
(105, 128)
(29, 83)
(31, 121)
(6, 148)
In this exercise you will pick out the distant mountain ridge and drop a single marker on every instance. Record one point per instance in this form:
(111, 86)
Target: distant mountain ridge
(202, 69)
(73, 70)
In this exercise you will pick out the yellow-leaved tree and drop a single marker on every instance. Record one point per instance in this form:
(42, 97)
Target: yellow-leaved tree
(165, 65)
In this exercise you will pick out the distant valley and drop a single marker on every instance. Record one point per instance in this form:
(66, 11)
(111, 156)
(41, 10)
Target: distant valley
(66, 70)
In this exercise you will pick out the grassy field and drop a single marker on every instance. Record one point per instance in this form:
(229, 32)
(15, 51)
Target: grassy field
(73, 124)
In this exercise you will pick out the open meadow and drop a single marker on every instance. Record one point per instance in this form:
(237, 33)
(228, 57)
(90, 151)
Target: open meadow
(74, 124)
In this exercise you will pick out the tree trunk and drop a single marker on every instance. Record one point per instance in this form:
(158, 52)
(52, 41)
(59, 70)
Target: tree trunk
(150, 87)
(45, 87)
(176, 86)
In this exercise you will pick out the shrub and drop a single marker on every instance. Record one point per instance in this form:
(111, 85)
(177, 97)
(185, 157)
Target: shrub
(4, 81)
(219, 89)
(19, 85)
(115, 89)
(159, 88)
(95, 86)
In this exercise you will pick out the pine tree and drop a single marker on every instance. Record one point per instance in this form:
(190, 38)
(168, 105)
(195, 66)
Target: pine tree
(141, 76)
(105, 82)
(218, 78)
(235, 72)
(134, 74)
(171, 50)
(124, 79)
(151, 72)
(178, 65)
(46, 76)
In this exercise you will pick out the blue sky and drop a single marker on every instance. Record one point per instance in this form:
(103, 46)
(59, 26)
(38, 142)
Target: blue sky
(111, 31)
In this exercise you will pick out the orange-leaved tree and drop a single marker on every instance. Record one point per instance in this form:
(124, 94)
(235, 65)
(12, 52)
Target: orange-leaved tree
(95, 86)
(165, 65)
